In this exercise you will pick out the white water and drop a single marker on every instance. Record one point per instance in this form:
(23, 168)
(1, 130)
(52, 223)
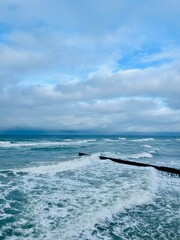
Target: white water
(142, 140)
(126, 156)
(72, 199)
(141, 155)
(147, 146)
(59, 167)
(62, 206)
(67, 142)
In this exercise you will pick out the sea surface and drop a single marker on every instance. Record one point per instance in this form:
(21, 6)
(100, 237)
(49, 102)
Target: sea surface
(48, 192)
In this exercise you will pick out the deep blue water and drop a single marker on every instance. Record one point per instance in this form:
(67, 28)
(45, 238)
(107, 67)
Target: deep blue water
(48, 192)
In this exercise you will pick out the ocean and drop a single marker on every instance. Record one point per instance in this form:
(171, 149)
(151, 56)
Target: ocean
(49, 192)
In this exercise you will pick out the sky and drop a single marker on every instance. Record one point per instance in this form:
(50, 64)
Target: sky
(90, 65)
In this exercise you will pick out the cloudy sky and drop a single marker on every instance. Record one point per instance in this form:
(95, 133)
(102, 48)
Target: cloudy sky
(90, 65)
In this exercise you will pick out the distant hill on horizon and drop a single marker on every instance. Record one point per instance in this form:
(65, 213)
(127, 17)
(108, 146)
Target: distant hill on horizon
(81, 132)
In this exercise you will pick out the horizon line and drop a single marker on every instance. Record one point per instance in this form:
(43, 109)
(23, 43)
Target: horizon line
(40, 132)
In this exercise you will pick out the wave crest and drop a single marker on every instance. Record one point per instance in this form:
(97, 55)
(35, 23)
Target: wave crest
(142, 140)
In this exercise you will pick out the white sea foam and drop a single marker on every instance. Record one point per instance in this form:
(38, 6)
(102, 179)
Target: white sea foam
(5, 215)
(123, 139)
(147, 146)
(126, 156)
(5, 143)
(58, 167)
(77, 203)
(8, 144)
(91, 140)
(142, 140)
(112, 140)
(141, 155)
(87, 194)
(64, 207)
(108, 140)
(157, 149)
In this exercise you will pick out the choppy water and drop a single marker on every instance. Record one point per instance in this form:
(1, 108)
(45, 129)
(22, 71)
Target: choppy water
(48, 192)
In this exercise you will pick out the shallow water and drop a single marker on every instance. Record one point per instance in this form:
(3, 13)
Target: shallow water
(48, 192)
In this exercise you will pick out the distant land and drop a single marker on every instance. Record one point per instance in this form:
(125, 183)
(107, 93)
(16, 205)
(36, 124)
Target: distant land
(82, 132)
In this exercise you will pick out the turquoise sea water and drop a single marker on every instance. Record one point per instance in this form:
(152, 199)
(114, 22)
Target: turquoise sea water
(48, 192)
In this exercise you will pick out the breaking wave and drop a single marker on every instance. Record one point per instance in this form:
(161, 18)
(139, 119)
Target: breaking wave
(142, 140)
(141, 155)
(67, 142)
(114, 140)
(126, 156)
(60, 166)
(55, 195)
(63, 207)
(147, 146)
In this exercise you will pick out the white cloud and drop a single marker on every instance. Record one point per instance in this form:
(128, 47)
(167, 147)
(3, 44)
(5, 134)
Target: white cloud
(75, 66)
(18, 59)
(130, 100)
